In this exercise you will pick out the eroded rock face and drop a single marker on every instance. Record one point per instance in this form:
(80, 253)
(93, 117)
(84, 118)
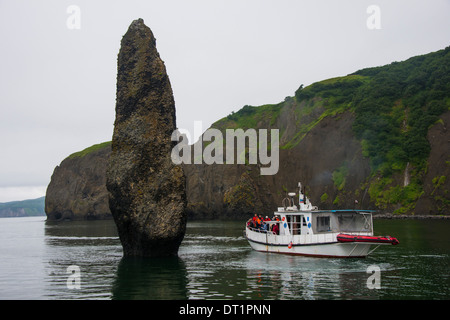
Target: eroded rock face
(77, 188)
(147, 195)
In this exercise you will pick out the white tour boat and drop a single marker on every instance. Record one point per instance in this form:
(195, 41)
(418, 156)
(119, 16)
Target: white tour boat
(305, 230)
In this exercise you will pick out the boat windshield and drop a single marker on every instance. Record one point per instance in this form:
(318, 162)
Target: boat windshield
(350, 222)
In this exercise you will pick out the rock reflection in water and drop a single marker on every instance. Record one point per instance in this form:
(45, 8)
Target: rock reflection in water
(150, 278)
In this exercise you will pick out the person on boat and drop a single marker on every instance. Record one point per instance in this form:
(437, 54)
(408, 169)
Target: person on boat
(275, 228)
(264, 227)
(258, 222)
(254, 222)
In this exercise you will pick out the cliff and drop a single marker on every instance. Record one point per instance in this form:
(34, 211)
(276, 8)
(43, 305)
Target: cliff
(379, 136)
(77, 189)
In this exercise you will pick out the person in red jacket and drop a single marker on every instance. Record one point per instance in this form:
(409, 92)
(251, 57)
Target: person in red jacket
(275, 228)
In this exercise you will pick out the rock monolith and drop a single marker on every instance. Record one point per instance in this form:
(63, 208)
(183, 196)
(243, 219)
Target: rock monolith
(147, 195)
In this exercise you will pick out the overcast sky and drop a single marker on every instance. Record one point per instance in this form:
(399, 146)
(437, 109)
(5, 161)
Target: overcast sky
(58, 81)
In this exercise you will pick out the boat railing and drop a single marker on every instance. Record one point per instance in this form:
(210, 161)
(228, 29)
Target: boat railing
(295, 228)
(260, 230)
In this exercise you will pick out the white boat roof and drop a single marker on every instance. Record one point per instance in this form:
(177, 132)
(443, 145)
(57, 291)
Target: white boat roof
(298, 212)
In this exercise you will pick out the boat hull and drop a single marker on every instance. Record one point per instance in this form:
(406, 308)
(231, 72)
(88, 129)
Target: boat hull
(331, 250)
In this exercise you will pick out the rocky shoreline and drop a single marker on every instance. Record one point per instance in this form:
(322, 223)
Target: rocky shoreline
(375, 216)
(412, 217)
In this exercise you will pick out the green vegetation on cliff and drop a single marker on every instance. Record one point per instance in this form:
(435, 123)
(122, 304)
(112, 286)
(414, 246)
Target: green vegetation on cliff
(24, 208)
(393, 116)
(394, 107)
(89, 150)
(251, 117)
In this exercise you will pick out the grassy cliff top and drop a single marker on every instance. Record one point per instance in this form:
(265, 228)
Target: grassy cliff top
(88, 150)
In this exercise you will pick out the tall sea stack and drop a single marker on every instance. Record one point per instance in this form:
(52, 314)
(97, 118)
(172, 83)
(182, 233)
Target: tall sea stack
(147, 195)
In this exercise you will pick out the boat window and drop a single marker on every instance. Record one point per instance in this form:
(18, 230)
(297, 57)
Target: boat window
(354, 222)
(296, 225)
(288, 221)
(323, 224)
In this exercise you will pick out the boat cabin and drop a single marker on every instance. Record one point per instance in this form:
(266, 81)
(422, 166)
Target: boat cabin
(330, 221)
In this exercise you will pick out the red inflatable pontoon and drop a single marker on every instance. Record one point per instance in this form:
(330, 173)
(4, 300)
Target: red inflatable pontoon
(372, 239)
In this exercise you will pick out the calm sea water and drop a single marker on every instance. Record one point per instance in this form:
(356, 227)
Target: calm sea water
(215, 262)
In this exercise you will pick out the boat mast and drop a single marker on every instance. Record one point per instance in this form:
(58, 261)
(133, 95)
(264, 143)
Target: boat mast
(303, 200)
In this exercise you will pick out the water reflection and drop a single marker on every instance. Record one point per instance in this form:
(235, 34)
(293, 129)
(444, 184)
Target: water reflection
(150, 278)
(61, 230)
(274, 276)
(92, 246)
(216, 262)
(224, 266)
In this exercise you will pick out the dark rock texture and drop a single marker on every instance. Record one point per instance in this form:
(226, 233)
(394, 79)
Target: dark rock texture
(437, 178)
(219, 191)
(146, 190)
(77, 188)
